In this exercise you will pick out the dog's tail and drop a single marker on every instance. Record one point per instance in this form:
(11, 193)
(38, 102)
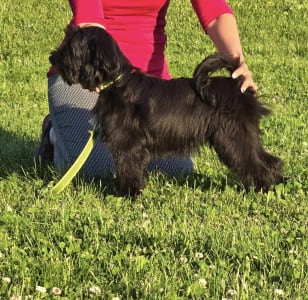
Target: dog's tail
(211, 64)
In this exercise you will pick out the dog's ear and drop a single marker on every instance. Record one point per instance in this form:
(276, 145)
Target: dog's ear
(112, 59)
(105, 57)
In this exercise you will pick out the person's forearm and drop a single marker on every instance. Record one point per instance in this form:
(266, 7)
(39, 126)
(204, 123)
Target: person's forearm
(224, 33)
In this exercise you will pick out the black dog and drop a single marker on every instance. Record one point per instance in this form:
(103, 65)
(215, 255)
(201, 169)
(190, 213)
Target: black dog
(141, 117)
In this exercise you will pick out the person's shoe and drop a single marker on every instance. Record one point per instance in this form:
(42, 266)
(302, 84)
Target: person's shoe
(44, 151)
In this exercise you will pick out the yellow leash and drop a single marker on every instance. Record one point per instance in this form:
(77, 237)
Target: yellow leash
(73, 170)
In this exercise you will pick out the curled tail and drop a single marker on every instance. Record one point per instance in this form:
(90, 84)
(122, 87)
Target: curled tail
(209, 65)
(223, 93)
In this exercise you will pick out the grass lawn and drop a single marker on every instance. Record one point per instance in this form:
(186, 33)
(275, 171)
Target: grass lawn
(199, 238)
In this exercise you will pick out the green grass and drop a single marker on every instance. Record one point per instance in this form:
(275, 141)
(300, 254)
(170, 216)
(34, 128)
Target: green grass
(195, 239)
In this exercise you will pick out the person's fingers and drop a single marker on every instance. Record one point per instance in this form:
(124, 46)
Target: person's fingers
(248, 83)
(241, 70)
(244, 71)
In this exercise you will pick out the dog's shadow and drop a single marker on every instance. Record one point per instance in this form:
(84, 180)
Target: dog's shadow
(106, 185)
(205, 182)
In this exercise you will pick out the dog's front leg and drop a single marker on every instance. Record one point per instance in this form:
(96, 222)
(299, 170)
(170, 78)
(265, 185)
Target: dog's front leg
(131, 172)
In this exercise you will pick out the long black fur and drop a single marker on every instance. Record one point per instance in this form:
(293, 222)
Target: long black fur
(142, 117)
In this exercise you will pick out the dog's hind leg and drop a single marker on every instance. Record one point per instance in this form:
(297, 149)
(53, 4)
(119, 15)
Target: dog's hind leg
(131, 166)
(274, 168)
(239, 147)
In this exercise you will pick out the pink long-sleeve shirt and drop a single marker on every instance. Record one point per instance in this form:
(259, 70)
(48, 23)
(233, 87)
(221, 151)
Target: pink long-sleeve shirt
(138, 26)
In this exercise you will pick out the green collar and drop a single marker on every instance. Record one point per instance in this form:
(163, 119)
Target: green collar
(105, 85)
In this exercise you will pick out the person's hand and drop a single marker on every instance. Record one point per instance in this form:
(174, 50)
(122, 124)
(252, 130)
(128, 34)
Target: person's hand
(244, 71)
(82, 25)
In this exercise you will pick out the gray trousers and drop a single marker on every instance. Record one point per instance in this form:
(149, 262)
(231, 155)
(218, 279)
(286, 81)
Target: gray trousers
(71, 111)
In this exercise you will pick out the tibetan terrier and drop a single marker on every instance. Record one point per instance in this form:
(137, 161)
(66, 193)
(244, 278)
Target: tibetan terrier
(142, 117)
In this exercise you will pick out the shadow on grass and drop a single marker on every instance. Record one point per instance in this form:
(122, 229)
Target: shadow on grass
(16, 157)
(16, 153)
(205, 182)
(106, 185)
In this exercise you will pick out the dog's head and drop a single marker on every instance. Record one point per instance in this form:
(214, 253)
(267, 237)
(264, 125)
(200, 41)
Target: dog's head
(89, 56)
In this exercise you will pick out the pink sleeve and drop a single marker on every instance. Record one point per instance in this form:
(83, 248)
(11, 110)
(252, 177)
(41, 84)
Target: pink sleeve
(87, 11)
(209, 10)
